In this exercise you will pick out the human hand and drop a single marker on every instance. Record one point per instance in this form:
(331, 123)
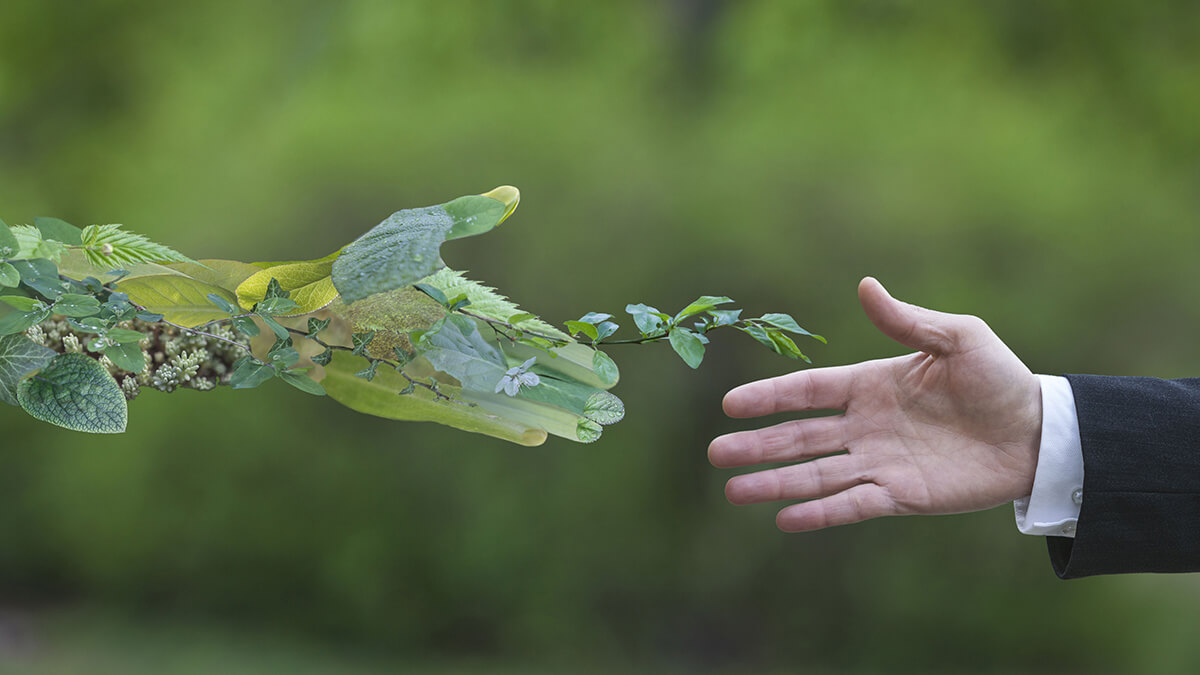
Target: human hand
(952, 428)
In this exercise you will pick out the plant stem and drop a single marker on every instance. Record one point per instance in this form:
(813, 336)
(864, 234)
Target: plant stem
(394, 364)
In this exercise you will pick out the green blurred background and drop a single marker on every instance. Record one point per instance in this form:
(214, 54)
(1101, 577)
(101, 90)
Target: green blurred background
(1035, 163)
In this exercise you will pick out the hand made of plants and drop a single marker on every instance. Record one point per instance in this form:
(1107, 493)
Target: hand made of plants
(91, 316)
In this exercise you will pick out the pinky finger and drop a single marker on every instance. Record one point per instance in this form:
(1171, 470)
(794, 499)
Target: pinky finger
(854, 505)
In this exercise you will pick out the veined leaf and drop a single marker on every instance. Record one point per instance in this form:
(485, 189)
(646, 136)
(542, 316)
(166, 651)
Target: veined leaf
(309, 284)
(75, 392)
(406, 247)
(181, 299)
(58, 230)
(19, 356)
(379, 397)
(603, 407)
(700, 304)
(110, 245)
(227, 274)
(485, 301)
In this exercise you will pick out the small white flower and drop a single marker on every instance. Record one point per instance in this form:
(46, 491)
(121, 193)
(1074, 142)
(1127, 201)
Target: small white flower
(517, 377)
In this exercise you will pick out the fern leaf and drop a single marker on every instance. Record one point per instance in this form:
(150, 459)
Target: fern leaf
(486, 301)
(110, 246)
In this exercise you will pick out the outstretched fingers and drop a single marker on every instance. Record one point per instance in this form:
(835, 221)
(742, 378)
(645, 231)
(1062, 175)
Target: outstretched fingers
(786, 442)
(816, 389)
(854, 505)
(809, 480)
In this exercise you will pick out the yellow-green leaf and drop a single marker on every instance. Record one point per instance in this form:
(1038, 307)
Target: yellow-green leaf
(180, 299)
(309, 284)
(380, 397)
(227, 274)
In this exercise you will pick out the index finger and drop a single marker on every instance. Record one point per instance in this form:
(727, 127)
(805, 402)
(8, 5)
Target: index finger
(816, 389)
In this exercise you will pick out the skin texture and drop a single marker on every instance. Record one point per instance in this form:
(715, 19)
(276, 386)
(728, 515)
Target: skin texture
(954, 427)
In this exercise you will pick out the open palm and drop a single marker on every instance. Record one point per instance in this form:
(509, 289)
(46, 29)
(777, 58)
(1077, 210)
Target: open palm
(954, 427)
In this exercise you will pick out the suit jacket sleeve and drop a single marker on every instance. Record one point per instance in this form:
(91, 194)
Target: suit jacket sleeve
(1141, 478)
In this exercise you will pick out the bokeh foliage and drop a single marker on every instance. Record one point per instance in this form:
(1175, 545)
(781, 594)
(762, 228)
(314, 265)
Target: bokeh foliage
(1031, 162)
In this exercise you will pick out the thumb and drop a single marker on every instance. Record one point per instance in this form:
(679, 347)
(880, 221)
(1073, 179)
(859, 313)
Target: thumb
(912, 326)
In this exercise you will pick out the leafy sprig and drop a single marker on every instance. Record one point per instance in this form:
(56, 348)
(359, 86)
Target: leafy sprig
(383, 317)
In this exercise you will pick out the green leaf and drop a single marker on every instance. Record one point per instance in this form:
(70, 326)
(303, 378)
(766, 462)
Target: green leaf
(110, 246)
(276, 328)
(785, 345)
(19, 356)
(277, 307)
(126, 356)
(8, 242)
(28, 313)
(759, 333)
(180, 299)
(315, 326)
(786, 322)
(226, 274)
(307, 284)
(605, 368)
(519, 317)
(223, 304)
(41, 275)
(603, 407)
(485, 301)
(59, 230)
(725, 317)
(379, 397)
(245, 325)
(700, 304)
(407, 246)
(9, 276)
(124, 336)
(577, 327)
(588, 431)
(369, 372)
(30, 244)
(688, 346)
(298, 379)
(249, 372)
(594, 317)
(324, 357)
(433, 292)
(605, 328)
(648, 319)
(75, 392)
(360, 342)
(76, 305)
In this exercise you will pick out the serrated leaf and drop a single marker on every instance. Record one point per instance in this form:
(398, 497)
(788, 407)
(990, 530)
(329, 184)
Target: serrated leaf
(76, 305)
(110, 246)
(407, 246)
(603, 407)
(180, 299)
(688, 346)
(126, 356)
(19, 356)
(75, 392)
(300, 380)
(606, 368)
(9, 276)
(485, 301)
(588, 431)
(59, 230)
(700, 304)
(308, 284)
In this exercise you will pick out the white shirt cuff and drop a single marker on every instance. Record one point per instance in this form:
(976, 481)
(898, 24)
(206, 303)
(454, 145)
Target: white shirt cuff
(1053, 507)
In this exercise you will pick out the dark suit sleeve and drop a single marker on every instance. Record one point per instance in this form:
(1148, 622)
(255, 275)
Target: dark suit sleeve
(1141, 478)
